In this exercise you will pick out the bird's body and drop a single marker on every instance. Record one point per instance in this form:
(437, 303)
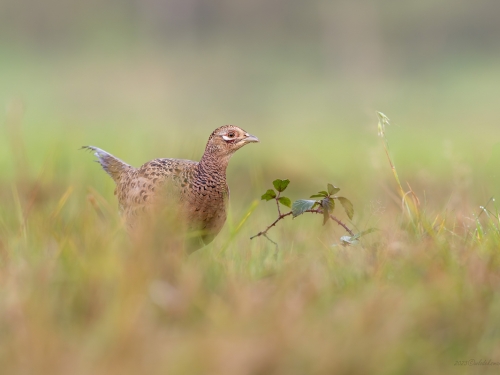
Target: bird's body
(197, 191)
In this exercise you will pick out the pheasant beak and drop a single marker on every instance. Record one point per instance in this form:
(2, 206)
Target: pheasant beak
(250, 138)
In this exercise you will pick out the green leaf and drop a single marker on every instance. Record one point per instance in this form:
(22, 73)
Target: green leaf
(353, 240)
(301, 205)
(332, 189)
(268, 195)
(328, 205)
(348, 240)
(348, 207)
(285, 201)
(280, 185)
(326, 216)
(323, 193)
(318, 196)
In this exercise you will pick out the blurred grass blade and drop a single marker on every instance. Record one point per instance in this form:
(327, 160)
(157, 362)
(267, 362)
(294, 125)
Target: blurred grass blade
(242, 222)
(62, 202)
(19, 212)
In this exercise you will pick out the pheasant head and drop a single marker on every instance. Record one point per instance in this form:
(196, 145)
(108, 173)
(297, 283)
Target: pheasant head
(224, 142)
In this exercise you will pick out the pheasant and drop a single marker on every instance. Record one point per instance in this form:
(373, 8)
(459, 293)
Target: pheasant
(196, 190)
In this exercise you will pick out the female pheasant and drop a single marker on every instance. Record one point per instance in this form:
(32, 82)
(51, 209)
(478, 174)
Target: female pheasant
(196, 190)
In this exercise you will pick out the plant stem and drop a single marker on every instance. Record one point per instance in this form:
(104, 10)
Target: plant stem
(264, 232)
(278, 203)
(282, 216)
(338, 221)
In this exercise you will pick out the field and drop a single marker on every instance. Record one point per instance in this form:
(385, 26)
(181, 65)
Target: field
(419, 295)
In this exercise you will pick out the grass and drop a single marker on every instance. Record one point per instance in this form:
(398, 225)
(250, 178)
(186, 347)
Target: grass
(414, 297)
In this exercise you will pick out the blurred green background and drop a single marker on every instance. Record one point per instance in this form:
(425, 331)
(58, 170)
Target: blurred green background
(145, 79)
(149, 78)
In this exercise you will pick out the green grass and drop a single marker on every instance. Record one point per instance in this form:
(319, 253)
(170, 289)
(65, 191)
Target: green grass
(77, 296)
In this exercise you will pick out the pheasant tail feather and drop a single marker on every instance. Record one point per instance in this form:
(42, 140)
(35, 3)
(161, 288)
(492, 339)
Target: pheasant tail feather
(111, 164)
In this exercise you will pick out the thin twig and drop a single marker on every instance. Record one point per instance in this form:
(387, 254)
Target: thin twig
(338, 221)
(275, 243)
(278, 203)
(282, 216)
(342, 225)
(264, 232)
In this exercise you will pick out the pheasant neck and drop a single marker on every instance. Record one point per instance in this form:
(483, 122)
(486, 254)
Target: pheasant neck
(214, 165)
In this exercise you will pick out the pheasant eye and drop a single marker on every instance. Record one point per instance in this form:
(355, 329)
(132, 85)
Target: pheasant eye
(230, 137)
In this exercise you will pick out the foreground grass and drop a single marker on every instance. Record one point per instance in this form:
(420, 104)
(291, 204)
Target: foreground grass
(78, 297)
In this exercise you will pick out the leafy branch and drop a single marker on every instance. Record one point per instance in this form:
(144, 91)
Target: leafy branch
(324, 204)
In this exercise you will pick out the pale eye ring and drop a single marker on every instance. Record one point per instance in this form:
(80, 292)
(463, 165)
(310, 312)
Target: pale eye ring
(230, 136)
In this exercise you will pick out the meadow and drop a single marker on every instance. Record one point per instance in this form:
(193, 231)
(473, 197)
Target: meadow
(419, 295)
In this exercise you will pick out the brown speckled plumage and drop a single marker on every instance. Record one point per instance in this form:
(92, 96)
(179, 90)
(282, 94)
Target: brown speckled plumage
(196, 190)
